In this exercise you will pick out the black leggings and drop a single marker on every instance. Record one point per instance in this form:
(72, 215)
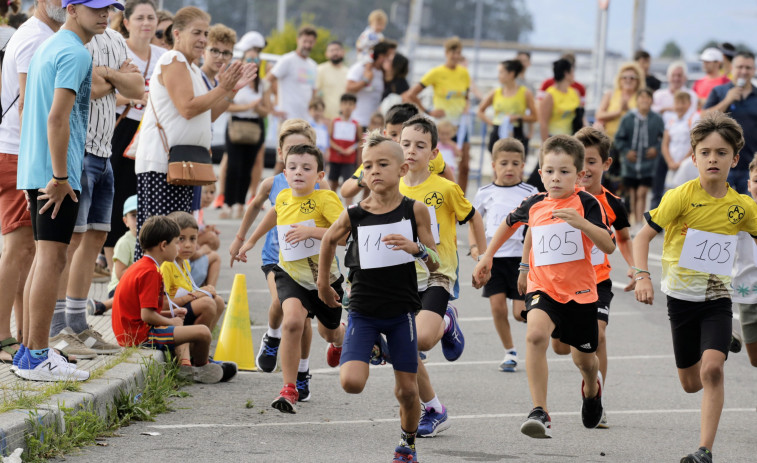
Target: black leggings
(124, 178)
(240, 159)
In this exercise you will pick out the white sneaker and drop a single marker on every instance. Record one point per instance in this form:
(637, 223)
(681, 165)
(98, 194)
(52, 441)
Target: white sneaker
(53, 368)
(510, 363)
(210, 373)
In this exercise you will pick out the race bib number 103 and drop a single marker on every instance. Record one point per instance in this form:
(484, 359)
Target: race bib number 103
(708, 252)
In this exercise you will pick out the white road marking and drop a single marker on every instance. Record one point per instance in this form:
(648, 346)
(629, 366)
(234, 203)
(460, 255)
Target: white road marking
(453, 417)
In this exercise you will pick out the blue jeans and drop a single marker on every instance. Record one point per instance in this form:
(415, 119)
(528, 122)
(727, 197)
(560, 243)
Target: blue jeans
(737, 179)
(96, 200)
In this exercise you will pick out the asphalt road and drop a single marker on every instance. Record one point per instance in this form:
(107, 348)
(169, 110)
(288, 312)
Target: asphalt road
(651, 418)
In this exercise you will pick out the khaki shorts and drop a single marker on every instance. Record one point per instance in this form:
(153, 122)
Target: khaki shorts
(13, 207)
(748, 319)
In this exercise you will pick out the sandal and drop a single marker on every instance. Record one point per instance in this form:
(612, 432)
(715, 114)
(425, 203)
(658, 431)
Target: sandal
(6, 345)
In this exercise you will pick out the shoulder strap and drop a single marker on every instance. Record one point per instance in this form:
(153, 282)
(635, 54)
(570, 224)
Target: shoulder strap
(161, 131)
(11, 105)
(144, 76)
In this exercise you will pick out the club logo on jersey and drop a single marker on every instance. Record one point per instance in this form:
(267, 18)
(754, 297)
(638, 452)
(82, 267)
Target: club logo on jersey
(435, 199)
(307, 206)
(735, 213)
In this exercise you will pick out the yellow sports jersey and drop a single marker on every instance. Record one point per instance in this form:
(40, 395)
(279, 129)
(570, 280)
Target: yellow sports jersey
(175, 277)
(450, 90)
(435, 166)
(321, 206)
(700, 239)
(564, 107)
(450, 206)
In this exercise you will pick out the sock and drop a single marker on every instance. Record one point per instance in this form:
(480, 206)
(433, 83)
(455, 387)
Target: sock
(304, 365)
(38, 354)
(185, 362)
(407, 439)
(76, 314)
(434, 403)
(512, 351)
(59, 318)
(446, 323)
(274, 333)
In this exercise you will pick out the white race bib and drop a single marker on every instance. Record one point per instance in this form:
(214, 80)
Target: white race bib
(181, 292)
(597, 256)
(344, 131)
(300, 250)
(708, 252)
(374, 253)
(556, 244)
(434, 224)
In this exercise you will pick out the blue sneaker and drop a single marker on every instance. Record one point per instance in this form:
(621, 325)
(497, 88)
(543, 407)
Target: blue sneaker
(453, 341)
(432, 422)
(303, 385)
(405, 455)
(51, 368)
(17, 358)
(510, 363)
(423, 356)
(380, 353)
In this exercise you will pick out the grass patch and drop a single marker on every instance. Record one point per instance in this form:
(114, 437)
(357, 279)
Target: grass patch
(79, 428)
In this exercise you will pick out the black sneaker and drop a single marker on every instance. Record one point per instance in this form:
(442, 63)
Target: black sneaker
(702, 455)
(303, 385)
(538, 424)
(269, 349)
(592, 409)
(229, 369)
(735, 346)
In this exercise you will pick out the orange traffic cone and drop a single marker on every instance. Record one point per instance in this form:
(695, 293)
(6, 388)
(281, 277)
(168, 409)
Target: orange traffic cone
(235, 341)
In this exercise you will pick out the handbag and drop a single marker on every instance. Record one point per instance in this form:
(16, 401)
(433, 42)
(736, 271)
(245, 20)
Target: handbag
(188, 165)
(244, 132)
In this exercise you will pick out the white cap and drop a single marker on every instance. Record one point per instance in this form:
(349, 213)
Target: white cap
(711, 54)
(250, 40)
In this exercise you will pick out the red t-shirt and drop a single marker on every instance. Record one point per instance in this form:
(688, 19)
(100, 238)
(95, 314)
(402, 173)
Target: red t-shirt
(704, 86)
(140, 287)
(346, 139)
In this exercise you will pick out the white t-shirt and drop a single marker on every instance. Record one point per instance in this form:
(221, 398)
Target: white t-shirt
(369, 98)
(680, 144)
(494, 203)
(247, 95)
(107, 49)
(664, 98)
(296, 83)
(151, 155)
(136, 112)
(745, 270)
(18, 55)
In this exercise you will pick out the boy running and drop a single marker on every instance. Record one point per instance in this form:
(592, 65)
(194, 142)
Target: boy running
(447, 204)
(494, 201)
(302, 215)
(384, 296)
(561, 300)
(701, 219)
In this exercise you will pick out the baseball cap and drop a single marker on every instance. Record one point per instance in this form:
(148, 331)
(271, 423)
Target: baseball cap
(93, 3)
(711, 54)
(130, 204)
(250, 40)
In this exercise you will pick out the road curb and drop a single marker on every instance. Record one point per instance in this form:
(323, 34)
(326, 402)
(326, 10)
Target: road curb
(97, 394)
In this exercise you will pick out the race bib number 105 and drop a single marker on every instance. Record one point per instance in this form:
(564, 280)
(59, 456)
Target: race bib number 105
(301, 249)
(708, 252)
(556, 244)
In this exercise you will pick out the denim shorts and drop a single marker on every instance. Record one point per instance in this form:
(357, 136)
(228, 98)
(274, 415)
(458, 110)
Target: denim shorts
(96, 199)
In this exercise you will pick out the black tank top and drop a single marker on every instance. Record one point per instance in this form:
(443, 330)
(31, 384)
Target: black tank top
(386, 292)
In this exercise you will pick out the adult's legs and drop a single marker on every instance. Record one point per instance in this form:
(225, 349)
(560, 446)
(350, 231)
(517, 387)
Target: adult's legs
(15, 262)
(463, 167)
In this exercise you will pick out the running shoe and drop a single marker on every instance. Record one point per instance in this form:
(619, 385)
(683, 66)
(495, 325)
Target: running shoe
(432, 422)
(97, 343)
(17, 357)
(269, 350)
(405, 455)
(333, 355)
(603, 424)
(538, 424)
(210, 373)
(380, 353)
(735, 346)
(229, 369)
(592, 408)
(286, 399)
(303, 386)
(218, 202)
(702, 455)
(51, 368)
(69, 344)
(510, 363)
(95, 307)
(453, 341)
(423, 356)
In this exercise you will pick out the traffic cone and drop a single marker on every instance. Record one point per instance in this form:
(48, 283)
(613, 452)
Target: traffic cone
(235, 341)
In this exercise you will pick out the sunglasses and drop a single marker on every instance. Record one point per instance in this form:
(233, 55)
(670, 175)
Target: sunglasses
(215, 53)
(159, 34)
(252, 60)
(629, 77)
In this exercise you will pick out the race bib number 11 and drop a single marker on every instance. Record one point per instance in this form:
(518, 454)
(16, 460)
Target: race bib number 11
(556, 244)
(708, 252)
(300, 250)
(374, 253)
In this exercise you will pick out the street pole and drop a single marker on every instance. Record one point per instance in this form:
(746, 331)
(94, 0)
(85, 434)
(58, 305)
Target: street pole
(600, 50)
(477, 37)
(281, 15)
(639, 19)
(413, 32)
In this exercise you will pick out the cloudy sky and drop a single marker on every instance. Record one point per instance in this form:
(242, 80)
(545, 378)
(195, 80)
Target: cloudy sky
(690, 23)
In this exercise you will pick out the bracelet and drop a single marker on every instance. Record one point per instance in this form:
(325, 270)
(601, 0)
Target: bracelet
(422, 253)
(523, 270)
(62, 179)
(523, 265)
(57, 182)
(240, 239)
(640, 270)
(642, 278)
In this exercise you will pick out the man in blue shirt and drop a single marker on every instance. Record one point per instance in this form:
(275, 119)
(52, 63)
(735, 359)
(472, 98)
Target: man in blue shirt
(51, 150)
(739, 99)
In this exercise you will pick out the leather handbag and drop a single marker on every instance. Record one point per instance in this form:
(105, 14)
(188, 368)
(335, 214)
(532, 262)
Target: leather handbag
(244, 132)
(188, 165)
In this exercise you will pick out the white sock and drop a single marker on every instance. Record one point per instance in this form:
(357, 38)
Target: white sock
(274, 333)
(304, 365)
(434, 403)
(446, 323)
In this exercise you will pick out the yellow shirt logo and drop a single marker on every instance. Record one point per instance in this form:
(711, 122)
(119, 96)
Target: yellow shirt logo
(735, 213)
(435, 199)
(307, 207)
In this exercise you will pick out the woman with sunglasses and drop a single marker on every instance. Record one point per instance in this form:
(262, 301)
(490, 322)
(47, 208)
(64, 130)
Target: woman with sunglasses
(162, 35)
(616, 102)
(138, 26)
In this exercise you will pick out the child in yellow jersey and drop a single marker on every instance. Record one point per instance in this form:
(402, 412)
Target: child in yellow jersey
(701, 219)
(302, 215)
(395, 117)
(447, 205)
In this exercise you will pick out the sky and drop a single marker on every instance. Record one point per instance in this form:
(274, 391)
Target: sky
(690, 23)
